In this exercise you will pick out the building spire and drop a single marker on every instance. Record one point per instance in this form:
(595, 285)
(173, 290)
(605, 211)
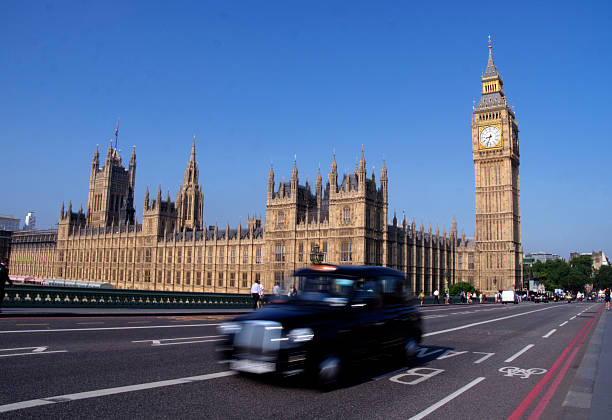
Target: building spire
(491, 70)
(192, 157)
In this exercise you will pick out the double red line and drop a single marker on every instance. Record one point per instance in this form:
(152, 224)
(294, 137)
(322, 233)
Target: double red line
(572, 350)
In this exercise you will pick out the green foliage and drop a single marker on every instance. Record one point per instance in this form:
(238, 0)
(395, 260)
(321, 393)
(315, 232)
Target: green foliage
(457, 288)
(557, 274)
(603, 277)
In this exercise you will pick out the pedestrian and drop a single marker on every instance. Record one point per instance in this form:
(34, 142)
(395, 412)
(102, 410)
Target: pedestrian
(462, 296)
(292, 291)
(446, 299)
(436, 297)
(255, 294)
(421, 297)
(469, 297)
(260, 302)
(276, 290)
(606, 298)
(4, 278)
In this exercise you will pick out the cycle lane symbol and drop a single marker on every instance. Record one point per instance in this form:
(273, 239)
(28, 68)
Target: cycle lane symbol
(512, 371)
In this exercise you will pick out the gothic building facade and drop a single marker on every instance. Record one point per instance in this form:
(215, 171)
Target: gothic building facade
(346, 218)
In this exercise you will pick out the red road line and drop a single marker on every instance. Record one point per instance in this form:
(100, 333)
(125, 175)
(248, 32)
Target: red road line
(539, 410)
(518, 412)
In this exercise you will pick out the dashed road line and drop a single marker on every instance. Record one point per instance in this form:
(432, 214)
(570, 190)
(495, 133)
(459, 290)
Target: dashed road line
(549, 333)
(486, 322)
(108, 328)
(447, 399)
(563, 323)
(110, 391)
(517, 354)
(574, 317)
(179, 341)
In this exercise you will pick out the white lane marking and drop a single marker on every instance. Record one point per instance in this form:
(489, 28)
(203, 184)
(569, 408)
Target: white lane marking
(574, 317)
(563, 323)
(110, 328)
(177, 341)
(456, 307)
(421, 373)
(482, 359)
(34, 351)
(485, 322)
(445, 400)
(549, 333)
(517, 354)
(434, 316)
(110, 391)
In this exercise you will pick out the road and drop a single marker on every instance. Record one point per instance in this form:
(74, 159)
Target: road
(488, 361)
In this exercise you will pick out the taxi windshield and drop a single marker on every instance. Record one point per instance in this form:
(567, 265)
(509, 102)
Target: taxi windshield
(335, 291)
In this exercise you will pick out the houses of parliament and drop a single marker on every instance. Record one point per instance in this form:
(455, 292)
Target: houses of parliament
(345, 217)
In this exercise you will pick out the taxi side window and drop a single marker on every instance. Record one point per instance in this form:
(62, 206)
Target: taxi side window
(393, 290)
(366, 291)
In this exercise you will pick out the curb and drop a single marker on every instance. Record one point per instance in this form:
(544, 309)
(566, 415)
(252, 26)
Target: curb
(577, 402)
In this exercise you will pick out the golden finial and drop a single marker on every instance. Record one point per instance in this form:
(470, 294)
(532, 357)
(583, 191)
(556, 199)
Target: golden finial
(489, 41)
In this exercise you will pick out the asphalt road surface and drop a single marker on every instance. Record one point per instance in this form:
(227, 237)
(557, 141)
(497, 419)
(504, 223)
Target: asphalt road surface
(479, 361)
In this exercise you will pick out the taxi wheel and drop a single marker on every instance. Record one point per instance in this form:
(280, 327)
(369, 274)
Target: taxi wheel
(329, 371)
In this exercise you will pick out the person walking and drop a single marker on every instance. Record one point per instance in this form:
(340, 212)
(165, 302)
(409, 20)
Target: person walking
(436, 297)
(276, 290)
(421, 297)
(255, 294)
(261, 296)
(462, 296)
(4, 278)
(606, 298)
(292, 291)
(446, 299)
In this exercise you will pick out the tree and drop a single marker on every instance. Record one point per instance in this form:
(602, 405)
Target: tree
(583, 263)
(603, 277)
(457, 288)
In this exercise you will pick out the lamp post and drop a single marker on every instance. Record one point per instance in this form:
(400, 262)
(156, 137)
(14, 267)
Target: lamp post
(316, 257)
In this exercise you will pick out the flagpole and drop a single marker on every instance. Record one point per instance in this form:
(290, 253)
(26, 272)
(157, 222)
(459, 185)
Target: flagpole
(116, 133)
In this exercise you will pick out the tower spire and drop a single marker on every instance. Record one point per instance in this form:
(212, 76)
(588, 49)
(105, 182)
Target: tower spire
(491, 70)
(192, 157)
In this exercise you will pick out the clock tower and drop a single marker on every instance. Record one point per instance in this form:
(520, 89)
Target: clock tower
(495, 149)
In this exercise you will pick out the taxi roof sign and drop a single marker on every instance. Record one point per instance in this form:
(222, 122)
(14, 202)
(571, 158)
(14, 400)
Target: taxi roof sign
(324, 267)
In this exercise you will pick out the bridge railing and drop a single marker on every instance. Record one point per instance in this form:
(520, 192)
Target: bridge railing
(54, 297)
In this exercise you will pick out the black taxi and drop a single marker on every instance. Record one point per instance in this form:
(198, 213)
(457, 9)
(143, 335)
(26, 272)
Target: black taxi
(341, 315)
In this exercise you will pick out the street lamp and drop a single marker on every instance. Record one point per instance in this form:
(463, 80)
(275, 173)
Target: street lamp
(316, 257)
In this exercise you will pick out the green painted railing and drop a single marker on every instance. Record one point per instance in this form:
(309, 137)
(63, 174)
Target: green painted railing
(55, 297)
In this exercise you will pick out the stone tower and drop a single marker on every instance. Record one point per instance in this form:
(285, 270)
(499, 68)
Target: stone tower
(111, 190)
(495, 148)
(189, 200)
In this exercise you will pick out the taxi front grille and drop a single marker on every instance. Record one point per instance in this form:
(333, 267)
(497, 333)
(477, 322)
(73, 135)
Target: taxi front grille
(259, 337)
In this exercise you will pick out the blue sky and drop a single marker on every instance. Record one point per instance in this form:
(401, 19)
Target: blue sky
(260, 82)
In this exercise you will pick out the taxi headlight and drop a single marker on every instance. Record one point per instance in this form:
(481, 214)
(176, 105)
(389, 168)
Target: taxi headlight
(229, 328)
(300, 335)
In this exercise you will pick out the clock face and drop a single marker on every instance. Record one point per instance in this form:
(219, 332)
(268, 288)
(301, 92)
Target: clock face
(490, 136)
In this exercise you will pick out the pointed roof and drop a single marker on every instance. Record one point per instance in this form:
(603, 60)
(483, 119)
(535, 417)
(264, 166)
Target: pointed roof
(192, 156)
(491, 70)
(362, 162)
(271, 173)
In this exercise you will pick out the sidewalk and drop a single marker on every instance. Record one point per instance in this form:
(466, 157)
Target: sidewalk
(589, 396)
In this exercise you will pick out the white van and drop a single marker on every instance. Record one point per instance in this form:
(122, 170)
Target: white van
(508, 296)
